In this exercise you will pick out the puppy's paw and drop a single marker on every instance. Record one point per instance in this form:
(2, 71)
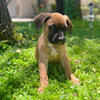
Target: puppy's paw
(43, 85)
(40, 89)
(74, 79)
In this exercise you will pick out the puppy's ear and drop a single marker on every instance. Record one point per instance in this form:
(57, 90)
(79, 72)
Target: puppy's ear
(40, 19)
(69, 23)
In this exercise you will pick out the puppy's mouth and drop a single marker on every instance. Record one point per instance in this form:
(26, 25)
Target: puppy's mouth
(57, 38)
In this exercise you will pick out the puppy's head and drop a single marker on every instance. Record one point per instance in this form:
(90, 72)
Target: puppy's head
(55, 26)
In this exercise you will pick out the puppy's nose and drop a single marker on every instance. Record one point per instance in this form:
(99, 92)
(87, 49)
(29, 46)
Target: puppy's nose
(61, 37)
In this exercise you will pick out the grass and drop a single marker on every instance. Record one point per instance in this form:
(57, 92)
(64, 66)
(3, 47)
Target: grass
(19, 73)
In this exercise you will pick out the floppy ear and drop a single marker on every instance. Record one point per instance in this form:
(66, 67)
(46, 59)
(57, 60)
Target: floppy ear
(40, 19)
(69, 23)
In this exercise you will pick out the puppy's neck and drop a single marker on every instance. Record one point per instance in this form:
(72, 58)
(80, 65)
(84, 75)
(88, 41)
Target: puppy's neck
(53, 50)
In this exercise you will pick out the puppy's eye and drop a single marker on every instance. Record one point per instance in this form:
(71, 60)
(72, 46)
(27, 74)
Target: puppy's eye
(65, 28)
(53, 26)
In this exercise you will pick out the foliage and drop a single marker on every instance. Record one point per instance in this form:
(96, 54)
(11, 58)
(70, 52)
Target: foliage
(19, 73)
(71, 9)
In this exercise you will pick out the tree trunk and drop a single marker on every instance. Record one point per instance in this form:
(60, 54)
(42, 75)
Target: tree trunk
(6, 27)
(60, 6)
(39, 3)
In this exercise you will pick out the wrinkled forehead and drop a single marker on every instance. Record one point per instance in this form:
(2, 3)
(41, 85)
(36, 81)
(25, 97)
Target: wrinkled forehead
(57, 19)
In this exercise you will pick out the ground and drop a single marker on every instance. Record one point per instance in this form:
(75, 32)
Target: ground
(19, 73)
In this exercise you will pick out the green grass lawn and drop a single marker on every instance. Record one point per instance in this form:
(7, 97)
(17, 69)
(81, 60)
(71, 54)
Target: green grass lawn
(19, 73)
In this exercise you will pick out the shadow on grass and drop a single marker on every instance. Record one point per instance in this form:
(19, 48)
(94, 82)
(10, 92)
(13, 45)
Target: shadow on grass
(26, 79)
(9, 86)
(55, 71)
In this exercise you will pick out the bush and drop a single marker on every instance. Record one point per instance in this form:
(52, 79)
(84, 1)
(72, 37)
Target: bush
(71, 9)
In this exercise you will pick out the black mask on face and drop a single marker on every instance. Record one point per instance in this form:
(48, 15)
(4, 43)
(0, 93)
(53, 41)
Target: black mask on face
(57, 34)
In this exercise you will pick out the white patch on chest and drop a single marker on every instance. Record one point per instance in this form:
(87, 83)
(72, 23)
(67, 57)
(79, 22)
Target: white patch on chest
(53, 50)
(54, 56)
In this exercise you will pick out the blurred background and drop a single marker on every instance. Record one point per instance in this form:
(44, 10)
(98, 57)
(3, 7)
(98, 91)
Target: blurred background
(29, 8)
(26, 10)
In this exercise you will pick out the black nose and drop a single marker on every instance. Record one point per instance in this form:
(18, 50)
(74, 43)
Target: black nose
(61, 40)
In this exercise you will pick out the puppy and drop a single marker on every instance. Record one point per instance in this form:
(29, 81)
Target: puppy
(51, 45)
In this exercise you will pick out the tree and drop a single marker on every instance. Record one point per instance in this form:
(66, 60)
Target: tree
(60, 6)
(6, 26)
(73, 8)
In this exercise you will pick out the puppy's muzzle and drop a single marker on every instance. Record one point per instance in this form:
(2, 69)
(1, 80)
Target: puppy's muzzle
(57, 38)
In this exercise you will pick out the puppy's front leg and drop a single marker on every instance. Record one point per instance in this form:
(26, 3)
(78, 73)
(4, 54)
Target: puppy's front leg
(66, 66)
(43, 65)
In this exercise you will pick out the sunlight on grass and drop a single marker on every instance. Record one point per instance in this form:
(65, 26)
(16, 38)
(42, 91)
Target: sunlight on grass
(19, 73)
